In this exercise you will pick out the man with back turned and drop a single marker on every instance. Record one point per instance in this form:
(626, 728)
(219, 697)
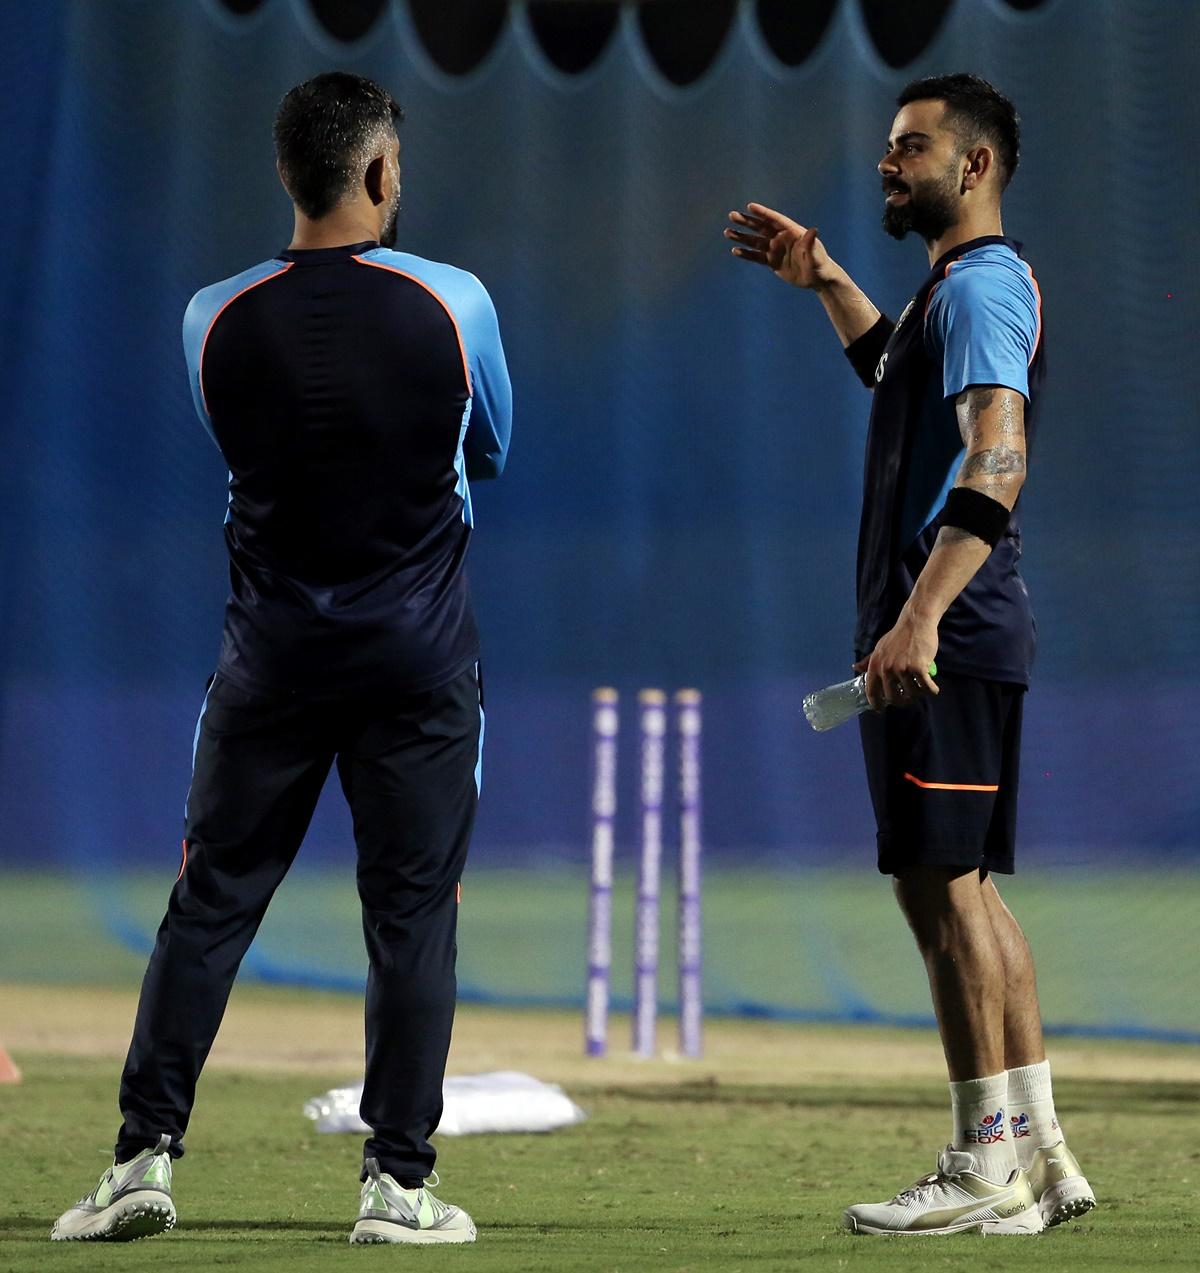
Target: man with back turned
(955, 381)
(353, 391)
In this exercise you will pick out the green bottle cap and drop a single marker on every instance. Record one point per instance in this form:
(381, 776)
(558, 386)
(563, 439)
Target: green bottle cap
(933, 669)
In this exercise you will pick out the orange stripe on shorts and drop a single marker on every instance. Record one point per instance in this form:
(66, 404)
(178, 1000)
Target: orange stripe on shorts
(952, 786)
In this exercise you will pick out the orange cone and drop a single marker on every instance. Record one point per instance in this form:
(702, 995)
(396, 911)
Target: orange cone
(8, 1071)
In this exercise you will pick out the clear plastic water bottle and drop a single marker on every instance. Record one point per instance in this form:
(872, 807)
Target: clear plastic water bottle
(838, 703)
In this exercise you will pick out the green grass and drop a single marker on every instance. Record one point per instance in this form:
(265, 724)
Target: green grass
(702, 1177)
(823, 941)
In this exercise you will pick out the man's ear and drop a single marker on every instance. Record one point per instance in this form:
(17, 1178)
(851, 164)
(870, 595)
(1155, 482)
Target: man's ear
(979, 162)
(373, 180)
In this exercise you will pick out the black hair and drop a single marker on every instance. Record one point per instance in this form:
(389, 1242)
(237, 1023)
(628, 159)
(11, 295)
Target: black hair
(976, 111)
(326, 132)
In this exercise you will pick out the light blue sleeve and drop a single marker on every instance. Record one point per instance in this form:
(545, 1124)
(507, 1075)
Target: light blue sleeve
(489, 424)
(201, 314)
(490, 429)
(197, 319)
(983, 322)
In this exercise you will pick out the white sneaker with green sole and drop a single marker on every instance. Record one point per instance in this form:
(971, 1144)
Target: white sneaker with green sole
(1059, 1185)
(954, 1199)
(388, 1213)
(132, 1200)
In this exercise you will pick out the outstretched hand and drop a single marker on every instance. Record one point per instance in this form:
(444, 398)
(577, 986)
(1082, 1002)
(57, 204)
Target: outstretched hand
(792, 251)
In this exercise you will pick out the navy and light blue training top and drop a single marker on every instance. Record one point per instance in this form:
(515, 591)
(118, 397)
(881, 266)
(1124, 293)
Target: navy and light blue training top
(975, 321)
(354, 392)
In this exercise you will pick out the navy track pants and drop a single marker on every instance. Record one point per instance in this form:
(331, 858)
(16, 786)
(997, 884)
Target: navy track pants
(408, 766)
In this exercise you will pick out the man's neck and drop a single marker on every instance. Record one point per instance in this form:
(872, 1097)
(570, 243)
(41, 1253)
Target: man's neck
(975, 226)
(340, 228)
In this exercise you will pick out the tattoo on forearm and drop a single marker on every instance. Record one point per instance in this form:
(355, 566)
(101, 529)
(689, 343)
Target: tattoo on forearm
(992, 423)
(982, 398)
(1007, 420)
(956, 535)
(996, 461)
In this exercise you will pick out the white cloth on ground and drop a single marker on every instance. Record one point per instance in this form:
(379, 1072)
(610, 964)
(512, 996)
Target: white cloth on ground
(503, 1101)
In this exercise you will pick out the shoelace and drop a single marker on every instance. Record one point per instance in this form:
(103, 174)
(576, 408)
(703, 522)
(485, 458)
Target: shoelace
(926, 1182)
(432, 1181)
(91, 1197)
(438, 1207)
(110, 1176)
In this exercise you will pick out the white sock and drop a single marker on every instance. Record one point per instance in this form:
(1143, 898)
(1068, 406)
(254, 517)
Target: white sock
(1031, 1110)
(979, 1108)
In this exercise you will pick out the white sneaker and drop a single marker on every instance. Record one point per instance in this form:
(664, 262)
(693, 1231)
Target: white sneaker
(132, 1200)
(388, 1213)
(954, 1199)
(1059, 1185)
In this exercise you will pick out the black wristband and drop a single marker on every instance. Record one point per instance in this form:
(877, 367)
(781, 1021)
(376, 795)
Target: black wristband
(865, 352)
(976, 513)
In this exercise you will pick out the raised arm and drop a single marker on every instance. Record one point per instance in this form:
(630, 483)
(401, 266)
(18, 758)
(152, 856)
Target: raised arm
(795, 254)
(991, 420)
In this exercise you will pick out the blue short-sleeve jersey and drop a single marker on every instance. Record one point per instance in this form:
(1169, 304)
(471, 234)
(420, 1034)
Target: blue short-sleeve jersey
(983, 321)
(354, 393)
(975, 321)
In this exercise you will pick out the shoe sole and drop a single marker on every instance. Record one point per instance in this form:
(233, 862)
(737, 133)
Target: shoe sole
(1029, 1221)
(138, 1216)
(380, 1232)
(1065, 1201)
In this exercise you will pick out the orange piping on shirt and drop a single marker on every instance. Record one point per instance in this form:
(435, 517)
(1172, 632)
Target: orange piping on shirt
(1038, 291)
(182, 864)
(208, 333)
(462, 349)
(952, 786)
(934, 288)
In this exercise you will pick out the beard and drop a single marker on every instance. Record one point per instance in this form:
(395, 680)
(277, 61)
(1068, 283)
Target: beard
(387, 236)
(931, 210)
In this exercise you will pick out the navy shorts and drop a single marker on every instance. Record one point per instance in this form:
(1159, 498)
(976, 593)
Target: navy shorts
(943, 776)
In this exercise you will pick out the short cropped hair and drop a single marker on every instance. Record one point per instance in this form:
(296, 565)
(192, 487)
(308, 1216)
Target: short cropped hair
(326, 132)
(976, 111)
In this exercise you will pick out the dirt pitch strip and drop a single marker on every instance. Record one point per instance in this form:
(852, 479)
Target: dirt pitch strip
(294, 1030)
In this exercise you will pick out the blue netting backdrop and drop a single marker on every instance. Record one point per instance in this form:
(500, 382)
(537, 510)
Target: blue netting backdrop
(681, 503)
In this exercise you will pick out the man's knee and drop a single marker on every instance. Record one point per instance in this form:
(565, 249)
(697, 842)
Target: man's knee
(938, 902)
